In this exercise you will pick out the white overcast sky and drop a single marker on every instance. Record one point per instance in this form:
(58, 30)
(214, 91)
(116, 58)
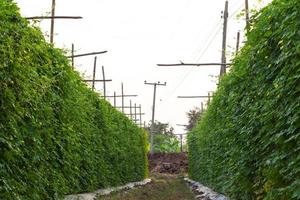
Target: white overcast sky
(138, 34)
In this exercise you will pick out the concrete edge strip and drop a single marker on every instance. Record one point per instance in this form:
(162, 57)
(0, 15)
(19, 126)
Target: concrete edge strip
(204, 192)
(107, 191)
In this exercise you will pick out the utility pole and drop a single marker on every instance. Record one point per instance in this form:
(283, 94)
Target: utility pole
(247, 15)
(223, 58)
(153, 111)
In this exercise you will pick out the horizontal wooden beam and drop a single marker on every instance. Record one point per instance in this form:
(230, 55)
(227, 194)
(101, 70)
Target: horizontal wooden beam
(128, 107)
(55, 17)
(190, 97)
(193, 64)
(136, 114)
(127, 95)
(90, 80)
(87, 54)
(181, 125)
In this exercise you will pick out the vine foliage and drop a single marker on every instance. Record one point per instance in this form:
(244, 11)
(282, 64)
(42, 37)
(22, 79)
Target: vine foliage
(57, 137)
(247, 145)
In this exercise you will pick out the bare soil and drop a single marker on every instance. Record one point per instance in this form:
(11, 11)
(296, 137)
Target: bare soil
(170, 163)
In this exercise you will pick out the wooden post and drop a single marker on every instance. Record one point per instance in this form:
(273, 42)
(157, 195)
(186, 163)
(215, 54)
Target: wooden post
(237, 43)
(115, 100)
(247, 15)
(94, 73)
(223, 58)
(130, 105)
(72, 53)
(202, 108)
(140, 111)
(181, 143)
(181, 146)
(135, 118)
(122, 92)
(52, 22)
(104, 85)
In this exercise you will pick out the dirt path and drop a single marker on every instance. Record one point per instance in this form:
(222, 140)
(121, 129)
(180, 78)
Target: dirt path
(162, 187)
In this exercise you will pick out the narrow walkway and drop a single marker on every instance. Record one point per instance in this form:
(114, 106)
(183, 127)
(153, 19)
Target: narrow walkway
(162, 187)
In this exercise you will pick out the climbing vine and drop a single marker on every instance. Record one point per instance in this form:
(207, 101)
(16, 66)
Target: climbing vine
(247, 145)
(57, 137)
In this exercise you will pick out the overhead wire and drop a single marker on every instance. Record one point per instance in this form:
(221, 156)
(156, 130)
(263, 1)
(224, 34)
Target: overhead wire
(216, 31)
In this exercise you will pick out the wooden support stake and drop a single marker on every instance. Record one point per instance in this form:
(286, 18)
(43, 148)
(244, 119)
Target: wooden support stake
(72, 55)
(115, 100)
(130, 109)
(140, 112)
(104, 85)
(247, 15)
(223, 58)
(122, 92)
(52, 22)
(208, 102)
(94, 73)
(135, 118)
(237, 43)
(181, 141)
(181, 145)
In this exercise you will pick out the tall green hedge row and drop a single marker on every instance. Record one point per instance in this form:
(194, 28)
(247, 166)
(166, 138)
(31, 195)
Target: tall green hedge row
(248, 143)
(57, 137)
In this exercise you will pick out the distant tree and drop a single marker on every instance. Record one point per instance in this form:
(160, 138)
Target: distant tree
(160, 128)
(194, 116)
(164, 138)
